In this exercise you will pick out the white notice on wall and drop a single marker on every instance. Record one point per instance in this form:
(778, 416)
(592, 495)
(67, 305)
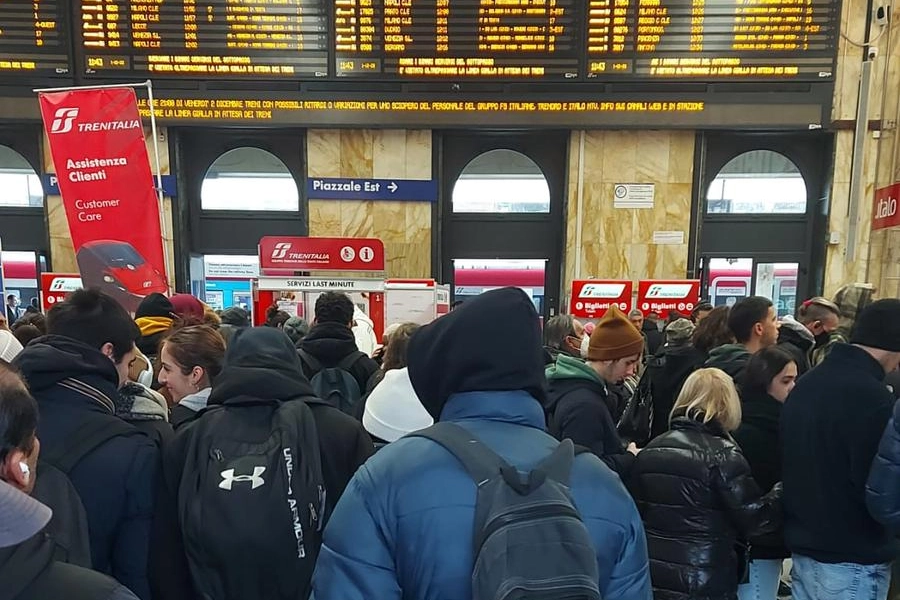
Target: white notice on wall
(634, 195)
(668, 237)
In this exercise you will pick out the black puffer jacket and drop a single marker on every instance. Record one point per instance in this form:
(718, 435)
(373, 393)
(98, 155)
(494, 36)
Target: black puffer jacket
(697, 499)
(760, 442)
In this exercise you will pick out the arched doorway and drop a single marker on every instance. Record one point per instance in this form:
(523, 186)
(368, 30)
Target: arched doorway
(761, 208)
(501, 221)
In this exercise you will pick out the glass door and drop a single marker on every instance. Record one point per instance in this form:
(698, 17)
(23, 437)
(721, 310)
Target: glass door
(726, 280)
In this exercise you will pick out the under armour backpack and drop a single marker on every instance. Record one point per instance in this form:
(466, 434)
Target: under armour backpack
(530, 543)
(251, 500)
(336, 385)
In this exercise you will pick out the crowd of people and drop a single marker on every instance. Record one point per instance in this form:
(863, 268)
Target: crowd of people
(180, 453)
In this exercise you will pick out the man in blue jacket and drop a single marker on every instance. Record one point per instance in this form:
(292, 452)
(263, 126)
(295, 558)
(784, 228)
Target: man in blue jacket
(75, 373)
(404, 526)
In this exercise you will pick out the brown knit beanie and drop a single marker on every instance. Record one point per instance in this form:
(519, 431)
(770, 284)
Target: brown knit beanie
(614, 337)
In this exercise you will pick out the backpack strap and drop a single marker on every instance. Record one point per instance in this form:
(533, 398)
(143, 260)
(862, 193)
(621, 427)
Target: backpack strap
(351, 359)
(311, 361)
(480, 462)
(85, 440)
(558, 466)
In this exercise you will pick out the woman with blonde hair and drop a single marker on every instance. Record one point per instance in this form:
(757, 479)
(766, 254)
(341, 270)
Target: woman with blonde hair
(697, 497)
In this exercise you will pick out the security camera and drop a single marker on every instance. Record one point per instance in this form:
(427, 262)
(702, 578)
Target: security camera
(872, 53)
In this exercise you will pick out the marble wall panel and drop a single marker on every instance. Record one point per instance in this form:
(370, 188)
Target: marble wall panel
(404, 227)
(618, 243)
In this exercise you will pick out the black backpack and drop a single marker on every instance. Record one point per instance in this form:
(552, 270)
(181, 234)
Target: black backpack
(69, 527)
(530, 543)
(336, 385)
(251, 500)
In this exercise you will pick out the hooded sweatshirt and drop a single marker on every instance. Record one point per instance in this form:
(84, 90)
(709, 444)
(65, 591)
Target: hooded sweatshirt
(330, 343)
(261, 365)
(75, 385)
(579, 407)
(798, 341)
(446, 362)
(731, 358)
(28, 572)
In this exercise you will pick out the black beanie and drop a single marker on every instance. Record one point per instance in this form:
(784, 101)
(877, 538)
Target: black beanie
(878, 326)
(155, 305)
(489, 343)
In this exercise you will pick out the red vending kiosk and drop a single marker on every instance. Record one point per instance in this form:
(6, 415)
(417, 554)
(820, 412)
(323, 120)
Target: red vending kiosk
(294, 271)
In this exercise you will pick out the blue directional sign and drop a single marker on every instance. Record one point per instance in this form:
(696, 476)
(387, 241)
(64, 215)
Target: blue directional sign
(406, 190)
(51, 185)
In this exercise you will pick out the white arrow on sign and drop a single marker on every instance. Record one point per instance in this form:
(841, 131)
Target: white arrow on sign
(393, 187)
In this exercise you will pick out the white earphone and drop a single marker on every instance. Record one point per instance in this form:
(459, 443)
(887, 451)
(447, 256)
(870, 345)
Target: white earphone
(26, 472)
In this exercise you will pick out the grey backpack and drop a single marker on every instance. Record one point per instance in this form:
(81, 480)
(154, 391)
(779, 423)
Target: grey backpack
(529, 541)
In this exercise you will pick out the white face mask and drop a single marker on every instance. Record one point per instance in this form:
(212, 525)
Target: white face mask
(585, 344)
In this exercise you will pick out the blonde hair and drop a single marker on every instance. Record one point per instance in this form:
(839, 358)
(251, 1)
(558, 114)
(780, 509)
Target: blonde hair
(709, 395)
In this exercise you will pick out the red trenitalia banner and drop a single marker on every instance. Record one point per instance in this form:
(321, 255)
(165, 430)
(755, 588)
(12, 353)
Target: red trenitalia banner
(664, 296)
(100, 155)
(278, 253)
(886, 212)
(591, 298)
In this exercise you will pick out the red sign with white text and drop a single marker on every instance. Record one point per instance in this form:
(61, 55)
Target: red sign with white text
(98, 148)
(56, 286)
(278, 253)
(886, 212)
(592, 298)
(664, 296)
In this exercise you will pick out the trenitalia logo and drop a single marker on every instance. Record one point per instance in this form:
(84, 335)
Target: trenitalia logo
(281, 250)
(602, 290)
(65, 284)
(63, 119)
(64, 122)
(669, 290)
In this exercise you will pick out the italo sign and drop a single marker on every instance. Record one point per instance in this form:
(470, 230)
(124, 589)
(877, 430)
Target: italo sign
(886, 213)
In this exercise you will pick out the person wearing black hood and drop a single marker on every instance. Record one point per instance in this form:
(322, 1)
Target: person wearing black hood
(331, 342)
(261, 371)
(754, 323)
(816, 320)
(403, 529)
(75, 374)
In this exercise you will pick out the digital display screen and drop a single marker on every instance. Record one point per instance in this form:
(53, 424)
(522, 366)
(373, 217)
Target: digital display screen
(712, 39)
(228, 39)
(459, 40)
(34, 37)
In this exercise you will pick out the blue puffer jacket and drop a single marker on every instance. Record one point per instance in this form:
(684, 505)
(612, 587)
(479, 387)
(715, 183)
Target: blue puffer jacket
(882, 491)
(403, 528)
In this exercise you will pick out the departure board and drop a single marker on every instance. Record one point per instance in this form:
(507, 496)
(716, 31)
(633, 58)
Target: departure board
(262, 39)
(34, 37)
(458, 39)
(712, 39)
(447, 40)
